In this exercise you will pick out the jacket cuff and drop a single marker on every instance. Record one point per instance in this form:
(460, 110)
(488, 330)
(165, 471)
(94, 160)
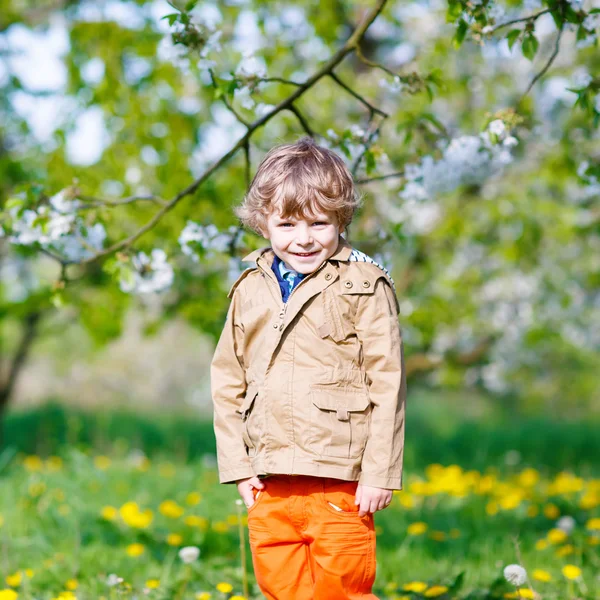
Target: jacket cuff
(233, 475)
(388, 483)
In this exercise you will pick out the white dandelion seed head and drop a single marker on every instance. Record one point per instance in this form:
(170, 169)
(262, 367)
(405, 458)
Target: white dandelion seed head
(515, 574)
(566, 524)
(113, 580)
(189, 554)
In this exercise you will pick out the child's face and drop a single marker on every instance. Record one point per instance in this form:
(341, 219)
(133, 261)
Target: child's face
(303, 244)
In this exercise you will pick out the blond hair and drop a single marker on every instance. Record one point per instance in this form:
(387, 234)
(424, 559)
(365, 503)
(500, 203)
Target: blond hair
(299, 180)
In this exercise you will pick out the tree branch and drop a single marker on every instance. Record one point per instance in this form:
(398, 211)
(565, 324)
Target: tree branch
(380, 177)
(372, 109)
(521, 20)
(293, 108)
(546, 66)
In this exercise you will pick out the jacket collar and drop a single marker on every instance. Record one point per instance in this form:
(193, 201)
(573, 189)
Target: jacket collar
(342, 252)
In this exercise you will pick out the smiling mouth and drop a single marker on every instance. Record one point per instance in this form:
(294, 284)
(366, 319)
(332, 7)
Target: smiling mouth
(305, 253)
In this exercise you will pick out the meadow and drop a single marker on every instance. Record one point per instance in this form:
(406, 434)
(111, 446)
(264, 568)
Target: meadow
(99, 506)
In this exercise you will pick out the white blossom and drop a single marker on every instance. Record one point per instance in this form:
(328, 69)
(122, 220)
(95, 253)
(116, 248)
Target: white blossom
(497, 127)
(592, 22)
(515, 574)
(242, 95)
(208, 237)
(576, 4)
(56, 226)
(150, 274)
(394, 86)
(251, 66)
(189, 554)
(581, 78)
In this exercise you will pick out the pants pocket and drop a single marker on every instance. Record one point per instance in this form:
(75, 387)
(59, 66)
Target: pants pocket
(338, 496)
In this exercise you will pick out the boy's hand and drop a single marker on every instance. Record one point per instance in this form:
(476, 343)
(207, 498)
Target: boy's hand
(371, 499)
(245, 487)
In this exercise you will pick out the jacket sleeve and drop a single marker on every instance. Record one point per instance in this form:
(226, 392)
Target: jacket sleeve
(228, 388)
(378, 330)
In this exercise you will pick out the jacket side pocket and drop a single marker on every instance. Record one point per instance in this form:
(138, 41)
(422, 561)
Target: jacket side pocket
(246, 411)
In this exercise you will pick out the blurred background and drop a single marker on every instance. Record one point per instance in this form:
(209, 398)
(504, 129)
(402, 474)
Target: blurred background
(129, 131)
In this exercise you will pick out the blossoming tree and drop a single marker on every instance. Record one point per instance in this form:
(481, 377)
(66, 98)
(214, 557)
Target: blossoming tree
(471, 127)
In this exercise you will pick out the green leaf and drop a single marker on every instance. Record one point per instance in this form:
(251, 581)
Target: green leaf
(370, 161)
(461, 32)
(345, 150)
(557, 18)
(190, 5)
(512, 37)
(530, 46)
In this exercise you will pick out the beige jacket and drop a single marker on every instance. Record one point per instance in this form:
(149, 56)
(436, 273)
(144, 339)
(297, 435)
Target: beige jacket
(315, 386)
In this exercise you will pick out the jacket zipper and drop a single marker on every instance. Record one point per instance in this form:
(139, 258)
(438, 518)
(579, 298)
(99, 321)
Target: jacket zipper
(284, 305)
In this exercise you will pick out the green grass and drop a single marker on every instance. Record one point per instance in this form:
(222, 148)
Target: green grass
(52, 522)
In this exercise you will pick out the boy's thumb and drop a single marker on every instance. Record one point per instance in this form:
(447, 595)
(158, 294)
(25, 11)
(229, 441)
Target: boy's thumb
(258, 484)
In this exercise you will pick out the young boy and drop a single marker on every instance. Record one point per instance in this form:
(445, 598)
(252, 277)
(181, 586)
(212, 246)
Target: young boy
(308, 383)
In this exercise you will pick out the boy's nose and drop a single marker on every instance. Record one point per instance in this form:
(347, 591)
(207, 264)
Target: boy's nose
(304, 237)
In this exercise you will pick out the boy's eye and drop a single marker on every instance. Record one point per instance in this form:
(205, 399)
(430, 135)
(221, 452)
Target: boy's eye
(320, 223)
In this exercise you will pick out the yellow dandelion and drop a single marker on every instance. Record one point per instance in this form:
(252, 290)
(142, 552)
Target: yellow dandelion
(102, 462)
(134, 517)
(8, 595)
(224, 587)
(167, 470)
(136, 549)
(438, 536)
(109, 513)
(174, 539)
(526, 593)
(415, 586)
(29, 573)
(541, 575)
(71, 584)
(232, 519)
(532, 511)
(565, 550)
(593, 540)
(509, 595)
(435, 590)
(33, 463)
(390, 586)
(236, 597)
(37, 489)
(193, 498)
(170, 509)
(152, 584)
(491, 508)
(15, 579)
(54, 463)
(203, 596)
(571, 571)
(556, 536)
(593, 524)
(551, 511)
(541, 544)
(417, 528)
(193, 521)
(220, 527)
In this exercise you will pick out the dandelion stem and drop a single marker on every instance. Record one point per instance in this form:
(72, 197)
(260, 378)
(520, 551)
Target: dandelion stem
(242, 549)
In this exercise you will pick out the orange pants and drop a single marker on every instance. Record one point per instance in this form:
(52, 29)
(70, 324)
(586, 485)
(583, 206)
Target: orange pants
(303, 547)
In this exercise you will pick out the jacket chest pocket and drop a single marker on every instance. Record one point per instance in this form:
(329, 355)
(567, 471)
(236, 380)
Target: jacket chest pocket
(249, 418)
(340, 419)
